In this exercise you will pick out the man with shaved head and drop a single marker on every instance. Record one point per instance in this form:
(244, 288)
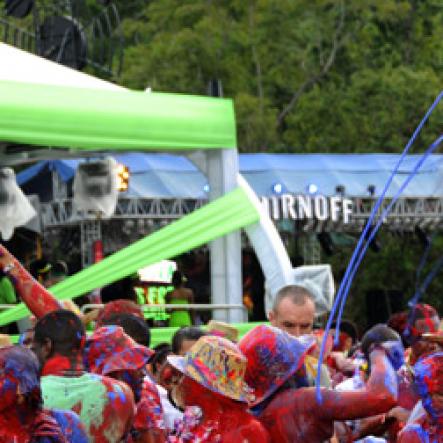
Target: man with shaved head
(293, 310)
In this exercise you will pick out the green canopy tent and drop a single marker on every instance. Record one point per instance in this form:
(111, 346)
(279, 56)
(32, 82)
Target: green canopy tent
(93, 119)
(88, 119)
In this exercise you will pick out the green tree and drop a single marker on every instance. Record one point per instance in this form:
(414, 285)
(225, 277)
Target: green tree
(305, 76)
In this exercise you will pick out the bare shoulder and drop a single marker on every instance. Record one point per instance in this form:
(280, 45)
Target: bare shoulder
(119, 393)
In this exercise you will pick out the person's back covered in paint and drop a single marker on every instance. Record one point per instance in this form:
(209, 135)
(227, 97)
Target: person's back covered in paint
(105, 405)
(111, 352)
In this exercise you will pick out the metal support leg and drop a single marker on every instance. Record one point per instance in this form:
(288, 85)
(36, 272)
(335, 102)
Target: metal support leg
(226, 276)
(90, 231)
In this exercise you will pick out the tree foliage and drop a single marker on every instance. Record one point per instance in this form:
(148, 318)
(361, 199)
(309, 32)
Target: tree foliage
(305, 76)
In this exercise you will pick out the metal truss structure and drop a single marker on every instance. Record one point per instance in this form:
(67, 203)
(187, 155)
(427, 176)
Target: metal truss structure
(406, 213)
(90, 232)
(61, 213)
(311, 250)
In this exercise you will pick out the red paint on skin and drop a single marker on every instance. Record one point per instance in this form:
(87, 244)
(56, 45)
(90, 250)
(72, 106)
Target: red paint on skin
(229, 418)
(33, 294)
(407, 399)
(22, 418)
(60, 365)
(421, 431)
(294, 416)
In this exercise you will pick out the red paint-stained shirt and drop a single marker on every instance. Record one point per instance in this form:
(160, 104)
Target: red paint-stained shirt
(421, 431)
(149, 411)
(407, 399)
(294, 416)
(44, 429)
(47, 429)
(235, 425)
(104, 405)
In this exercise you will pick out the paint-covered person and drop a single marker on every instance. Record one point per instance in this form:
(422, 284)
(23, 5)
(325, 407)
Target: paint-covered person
(422, 319)
(105, 406)
(156, 364)
(428, 427)
(31, 292)
(183, 339)
(391, 422)
(111, 352)
(293, 311)
(215, 395)
(288, 410)
(22, 417)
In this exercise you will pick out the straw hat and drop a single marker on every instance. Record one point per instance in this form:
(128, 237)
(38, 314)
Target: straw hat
(273, 357)
(218, 365)
(5, 340)
(222, 329)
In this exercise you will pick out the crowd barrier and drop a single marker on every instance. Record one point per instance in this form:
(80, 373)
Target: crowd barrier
(164, 334)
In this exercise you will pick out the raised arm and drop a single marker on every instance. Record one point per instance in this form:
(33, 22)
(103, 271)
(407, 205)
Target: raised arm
(378, 396)
(33, 294)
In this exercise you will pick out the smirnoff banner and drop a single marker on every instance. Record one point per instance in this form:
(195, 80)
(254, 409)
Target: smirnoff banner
(308, 207)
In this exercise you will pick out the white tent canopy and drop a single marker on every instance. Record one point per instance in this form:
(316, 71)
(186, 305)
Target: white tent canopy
(22, 66)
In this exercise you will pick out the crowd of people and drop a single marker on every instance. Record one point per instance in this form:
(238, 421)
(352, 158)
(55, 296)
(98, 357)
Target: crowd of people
(62, 385)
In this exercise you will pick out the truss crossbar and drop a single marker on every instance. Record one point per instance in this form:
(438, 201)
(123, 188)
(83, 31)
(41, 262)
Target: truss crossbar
(61, 212)
(405, 215)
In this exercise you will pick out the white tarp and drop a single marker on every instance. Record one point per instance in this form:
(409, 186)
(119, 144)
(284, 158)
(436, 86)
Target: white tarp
(15, 208)
(276, 266)
(21, 66)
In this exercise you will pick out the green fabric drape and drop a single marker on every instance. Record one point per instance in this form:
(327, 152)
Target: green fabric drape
(222, 216)
(91, 119)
